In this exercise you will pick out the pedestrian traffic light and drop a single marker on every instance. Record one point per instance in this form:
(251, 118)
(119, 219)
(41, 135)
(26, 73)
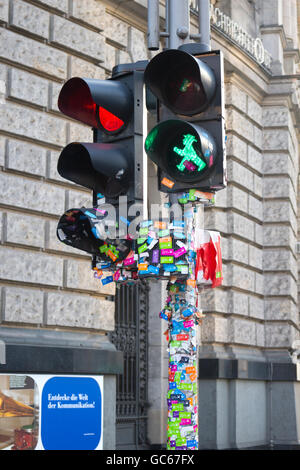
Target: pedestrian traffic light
(109, 164)
(112, 164)
(188, 143)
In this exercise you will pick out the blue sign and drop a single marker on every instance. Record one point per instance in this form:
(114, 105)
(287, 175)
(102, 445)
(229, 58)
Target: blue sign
(71, 413)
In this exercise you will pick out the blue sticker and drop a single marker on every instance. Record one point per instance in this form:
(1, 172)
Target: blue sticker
(71, 414)
(107, 280)
(153, 269)
(170, 268)
(178, 223)
(90, 214)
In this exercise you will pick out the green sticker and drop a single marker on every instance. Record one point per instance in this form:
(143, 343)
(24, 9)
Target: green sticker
(174, 427)
(182, 268)
(163, 233)
(141, 240)
(188, 387)
(177, 407)
(177, 377)
(142, 248)
(167, 259)
(165, 245)
(144, 231)
(181, 441)
(192, 196)
(185, 415)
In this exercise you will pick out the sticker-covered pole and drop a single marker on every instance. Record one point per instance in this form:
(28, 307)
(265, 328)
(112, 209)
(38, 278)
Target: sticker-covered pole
(181, 312)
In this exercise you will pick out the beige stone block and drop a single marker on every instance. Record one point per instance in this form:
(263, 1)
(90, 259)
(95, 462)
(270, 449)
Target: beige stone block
(138, 45)
(255, 208)
(61, 5)
(237, 198)
(80, 132)
(31, 194)
(236, 147)
(116, 30)
(33, 124)
(23, 305)
(240, 124)
(80, 311)
(79, 275)
(235, 96)
(242, 278)
(2, 149)
(4, 10)
(77, 199)
(255, 257)
(280, 284)
(25, 229)
(238, 250)
(30, 267)
(34, 54)
(279, 335)
(243, 331)
(254, 110)
(83, 68)
(89, 11)
(256, 307)
(30, 18)
(239, 174)
(75, 37)
(26, 157)
(241, 226)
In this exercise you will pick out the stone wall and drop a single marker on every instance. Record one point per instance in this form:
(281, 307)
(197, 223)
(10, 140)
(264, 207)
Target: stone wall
(43, 43)
(255, 313)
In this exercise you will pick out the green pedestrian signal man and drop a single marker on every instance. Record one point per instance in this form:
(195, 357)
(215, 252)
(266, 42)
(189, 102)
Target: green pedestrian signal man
(190, 156)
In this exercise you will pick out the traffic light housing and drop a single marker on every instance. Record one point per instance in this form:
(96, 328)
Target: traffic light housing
(188, 143)
(112, 164)
(105, 166)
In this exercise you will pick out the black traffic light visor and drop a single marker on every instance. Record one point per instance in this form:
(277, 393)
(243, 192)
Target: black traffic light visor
(185, 151)
(85, 229)
(101, 167)
(103, 104)
(183, 83)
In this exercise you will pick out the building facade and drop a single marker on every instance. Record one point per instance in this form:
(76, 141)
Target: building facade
(248, 388)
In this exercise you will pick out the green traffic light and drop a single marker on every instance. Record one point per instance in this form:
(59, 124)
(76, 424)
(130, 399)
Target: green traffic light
(185, 85)
(150, 139)
(189, 155)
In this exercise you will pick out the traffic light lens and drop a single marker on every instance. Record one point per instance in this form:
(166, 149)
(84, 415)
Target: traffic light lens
(184, 157)
(75, 100)
(190, 160)
(184, 93)
(109, 121)
(184, 151)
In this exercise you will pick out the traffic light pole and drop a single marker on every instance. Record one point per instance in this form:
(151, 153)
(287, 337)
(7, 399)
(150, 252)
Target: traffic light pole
(182, 429)
(177, 24)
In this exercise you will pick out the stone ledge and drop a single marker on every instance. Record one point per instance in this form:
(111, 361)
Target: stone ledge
(231, 369)
(58, 352)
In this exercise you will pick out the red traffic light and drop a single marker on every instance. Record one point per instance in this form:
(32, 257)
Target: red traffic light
(102, 104)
